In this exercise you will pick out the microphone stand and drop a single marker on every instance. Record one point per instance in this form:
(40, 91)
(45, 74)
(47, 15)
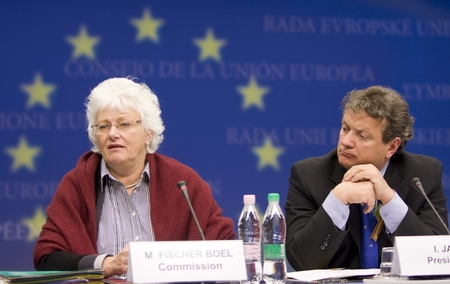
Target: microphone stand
(183, 188)
(415, 182)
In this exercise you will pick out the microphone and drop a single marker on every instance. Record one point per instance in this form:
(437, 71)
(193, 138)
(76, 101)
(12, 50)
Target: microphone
(415, 181)
(183, 189)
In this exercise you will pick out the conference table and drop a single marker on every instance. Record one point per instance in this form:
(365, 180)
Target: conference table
(289, 281)
(327, 281)
(354, 276)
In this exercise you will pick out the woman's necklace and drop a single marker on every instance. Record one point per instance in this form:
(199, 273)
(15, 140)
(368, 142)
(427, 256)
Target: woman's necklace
(133, 184)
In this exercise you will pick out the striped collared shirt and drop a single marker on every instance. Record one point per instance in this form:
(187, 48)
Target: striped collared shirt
(125, 218)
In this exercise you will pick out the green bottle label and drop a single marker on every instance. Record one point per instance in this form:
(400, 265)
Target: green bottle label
(273, 251)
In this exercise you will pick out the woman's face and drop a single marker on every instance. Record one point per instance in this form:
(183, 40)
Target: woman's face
(121, 137)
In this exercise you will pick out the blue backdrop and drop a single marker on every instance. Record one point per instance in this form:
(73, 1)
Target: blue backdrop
(246, 88)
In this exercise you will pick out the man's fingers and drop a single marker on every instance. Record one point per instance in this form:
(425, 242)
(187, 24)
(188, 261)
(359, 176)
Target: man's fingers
(368, 209)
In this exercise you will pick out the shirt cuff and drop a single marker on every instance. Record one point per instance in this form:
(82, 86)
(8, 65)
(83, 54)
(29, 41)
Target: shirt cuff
(393, 213)
(99, 260)
(337, 210)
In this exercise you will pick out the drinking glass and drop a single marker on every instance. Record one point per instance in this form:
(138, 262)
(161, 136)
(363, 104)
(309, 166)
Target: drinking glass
(387, 256)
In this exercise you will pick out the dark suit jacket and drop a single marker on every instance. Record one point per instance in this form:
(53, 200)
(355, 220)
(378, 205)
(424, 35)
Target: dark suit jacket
(314, 242)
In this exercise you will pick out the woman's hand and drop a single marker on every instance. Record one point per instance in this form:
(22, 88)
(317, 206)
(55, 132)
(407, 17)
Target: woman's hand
(116, 265)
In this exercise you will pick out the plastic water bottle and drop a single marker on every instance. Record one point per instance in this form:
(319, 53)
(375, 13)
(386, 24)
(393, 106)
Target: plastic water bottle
(274, 237)
(249, 231)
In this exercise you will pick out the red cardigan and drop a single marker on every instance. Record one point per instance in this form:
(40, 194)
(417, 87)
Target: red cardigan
(71, 216)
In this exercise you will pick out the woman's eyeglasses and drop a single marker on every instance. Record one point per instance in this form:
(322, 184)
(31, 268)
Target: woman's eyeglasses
(121, 126)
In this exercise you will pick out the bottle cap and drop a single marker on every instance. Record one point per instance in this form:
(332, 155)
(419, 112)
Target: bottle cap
(249, 199)
(273, 197)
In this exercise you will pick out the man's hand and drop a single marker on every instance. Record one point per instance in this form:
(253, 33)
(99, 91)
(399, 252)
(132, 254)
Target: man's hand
(370, 173)
(361, 192)
(116, 265)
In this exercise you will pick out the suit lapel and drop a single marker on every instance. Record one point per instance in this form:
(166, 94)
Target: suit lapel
(355, 218)
(395, 175)
(338, 172)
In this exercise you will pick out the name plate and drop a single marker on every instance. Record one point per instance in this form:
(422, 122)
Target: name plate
(186, 261)
(421, 256)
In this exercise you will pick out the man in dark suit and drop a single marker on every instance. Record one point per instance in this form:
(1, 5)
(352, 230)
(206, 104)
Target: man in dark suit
(329, 196)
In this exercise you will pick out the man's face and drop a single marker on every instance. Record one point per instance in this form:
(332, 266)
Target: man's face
(361, 141)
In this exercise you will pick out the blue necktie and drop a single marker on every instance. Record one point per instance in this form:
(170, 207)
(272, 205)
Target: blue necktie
(369, 248)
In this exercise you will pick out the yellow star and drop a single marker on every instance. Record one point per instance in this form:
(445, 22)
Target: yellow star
(23, 155)
(253, 94)
(83, 44)
(268, 154)
(38, 92)
(35, 224)
(147, 26)
(209, 46)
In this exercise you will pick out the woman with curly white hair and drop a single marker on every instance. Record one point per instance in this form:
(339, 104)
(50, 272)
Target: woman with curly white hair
(122, 190)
